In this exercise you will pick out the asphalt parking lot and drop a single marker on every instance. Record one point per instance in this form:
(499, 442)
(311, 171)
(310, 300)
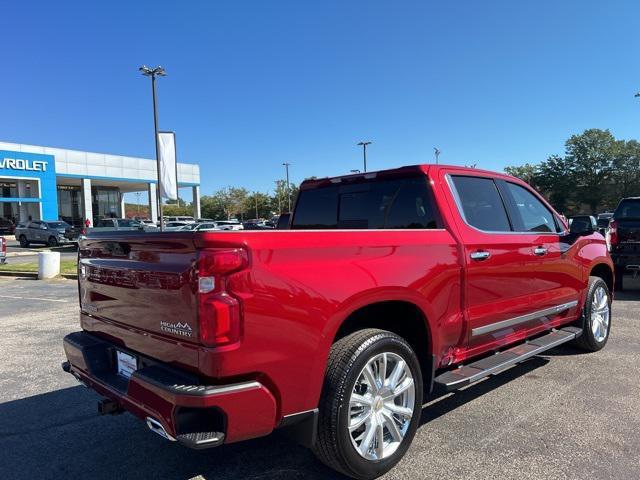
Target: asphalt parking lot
(567, 415)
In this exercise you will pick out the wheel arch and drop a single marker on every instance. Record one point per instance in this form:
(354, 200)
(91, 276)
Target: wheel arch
(605, 272)
(402, 317)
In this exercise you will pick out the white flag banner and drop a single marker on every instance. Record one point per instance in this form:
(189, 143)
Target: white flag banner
(168, 166)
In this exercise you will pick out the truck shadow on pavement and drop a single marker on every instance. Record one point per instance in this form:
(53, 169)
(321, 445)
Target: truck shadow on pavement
(59, 435)
(439, 405)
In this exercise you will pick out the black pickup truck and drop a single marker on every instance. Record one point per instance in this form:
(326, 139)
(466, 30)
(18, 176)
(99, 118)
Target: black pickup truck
(623, 238)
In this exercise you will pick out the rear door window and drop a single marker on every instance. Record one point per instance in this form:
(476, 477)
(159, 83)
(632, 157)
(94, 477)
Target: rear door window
(481, 204)
(394, 204)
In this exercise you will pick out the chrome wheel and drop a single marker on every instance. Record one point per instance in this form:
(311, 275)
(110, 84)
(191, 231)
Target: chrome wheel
(381, 406)
(600, 314)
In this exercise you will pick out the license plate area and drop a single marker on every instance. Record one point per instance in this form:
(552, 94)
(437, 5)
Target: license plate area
(126, 364)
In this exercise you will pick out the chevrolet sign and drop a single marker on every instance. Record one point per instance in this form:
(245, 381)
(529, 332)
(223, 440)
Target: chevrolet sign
(21, 164)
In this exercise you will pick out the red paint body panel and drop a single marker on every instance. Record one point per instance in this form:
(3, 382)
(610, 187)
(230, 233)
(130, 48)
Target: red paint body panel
(300, 286)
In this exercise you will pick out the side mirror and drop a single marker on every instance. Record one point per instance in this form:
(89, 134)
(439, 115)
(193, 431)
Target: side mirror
(583, 225)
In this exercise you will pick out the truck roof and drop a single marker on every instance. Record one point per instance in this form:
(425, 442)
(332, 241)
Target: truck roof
(396, 172)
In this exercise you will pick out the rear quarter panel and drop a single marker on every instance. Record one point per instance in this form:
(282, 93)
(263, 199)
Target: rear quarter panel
(301, 286)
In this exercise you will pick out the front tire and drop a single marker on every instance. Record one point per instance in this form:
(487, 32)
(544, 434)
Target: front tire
(371, 403)
(53, 242)
(596, 316)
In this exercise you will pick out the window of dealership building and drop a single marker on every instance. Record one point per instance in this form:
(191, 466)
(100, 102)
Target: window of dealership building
(43, 183)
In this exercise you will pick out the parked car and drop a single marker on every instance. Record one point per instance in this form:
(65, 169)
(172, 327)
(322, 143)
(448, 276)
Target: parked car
(198, 227)
(623, 238)
(229, 225)
(204, 220)
(3, 250)
(173, 226)
(603, 221)
(7, 227)
(184, 219)
(45, 233)
(256, 225)
(148, 223)
(119, 224)
(386, 287)
(273, 221)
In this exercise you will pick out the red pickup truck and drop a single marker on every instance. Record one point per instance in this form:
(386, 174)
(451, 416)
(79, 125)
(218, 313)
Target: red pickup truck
(386, 287)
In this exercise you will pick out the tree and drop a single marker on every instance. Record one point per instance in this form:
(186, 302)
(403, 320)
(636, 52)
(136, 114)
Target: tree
(590, 155)
(526, 172)
(211, 207)
(589, 173)
(258, 205)
(280, 203)
(173, 209)
(556, 177)
(225, 203)
(626, 172)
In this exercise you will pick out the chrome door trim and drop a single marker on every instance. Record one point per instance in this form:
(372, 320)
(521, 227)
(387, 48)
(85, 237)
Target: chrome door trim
(458, 202)
(492, 327)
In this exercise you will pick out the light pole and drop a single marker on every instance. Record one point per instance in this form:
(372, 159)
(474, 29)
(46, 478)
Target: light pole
(255, 195)
(153, 73)
(138, 202)
(437, 153)
(364, 152)
(286, 166)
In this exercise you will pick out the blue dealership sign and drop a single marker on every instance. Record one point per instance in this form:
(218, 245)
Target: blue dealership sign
(22, 165)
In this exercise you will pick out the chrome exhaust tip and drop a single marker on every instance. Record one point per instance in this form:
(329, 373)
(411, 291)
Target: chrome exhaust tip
(156, 427)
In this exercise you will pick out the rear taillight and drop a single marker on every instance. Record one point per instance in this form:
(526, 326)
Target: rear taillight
(612, 233)
(219, 312)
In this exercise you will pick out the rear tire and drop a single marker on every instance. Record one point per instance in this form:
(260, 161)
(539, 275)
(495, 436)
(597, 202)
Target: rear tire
(23, 241)
(364, 430)
(596, 317)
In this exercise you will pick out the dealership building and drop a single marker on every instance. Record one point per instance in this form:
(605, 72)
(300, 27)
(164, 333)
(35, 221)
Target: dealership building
(43, 183)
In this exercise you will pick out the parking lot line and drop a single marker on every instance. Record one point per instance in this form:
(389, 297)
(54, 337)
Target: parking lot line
(35, 298)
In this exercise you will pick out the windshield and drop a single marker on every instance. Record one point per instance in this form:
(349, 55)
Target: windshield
(628, 208)
(190, 227)
(58, 224)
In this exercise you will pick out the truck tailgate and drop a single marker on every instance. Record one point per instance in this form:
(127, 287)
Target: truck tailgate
(142, 284)
(628, 230)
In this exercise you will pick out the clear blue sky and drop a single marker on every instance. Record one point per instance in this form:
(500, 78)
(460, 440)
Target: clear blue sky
(252, 84)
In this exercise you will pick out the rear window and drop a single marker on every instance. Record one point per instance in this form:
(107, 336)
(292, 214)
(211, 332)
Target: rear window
(628, 208)
(395, 204)
(481, 203)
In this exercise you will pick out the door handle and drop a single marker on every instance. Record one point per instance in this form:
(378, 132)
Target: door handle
(480, 255)
(540, 251)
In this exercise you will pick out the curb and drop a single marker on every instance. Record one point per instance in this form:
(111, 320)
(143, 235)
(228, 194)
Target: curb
(34, 275)
(23, 254)
(4, 273)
